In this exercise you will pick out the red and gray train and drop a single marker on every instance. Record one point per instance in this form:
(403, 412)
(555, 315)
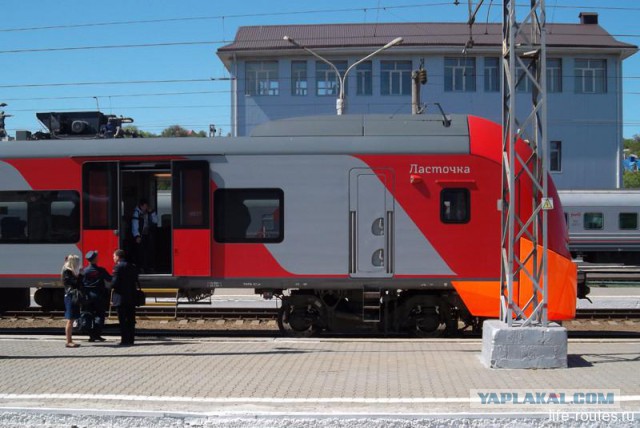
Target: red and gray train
(388, 222)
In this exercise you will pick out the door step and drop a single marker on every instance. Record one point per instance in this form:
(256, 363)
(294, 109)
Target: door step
(371, 304)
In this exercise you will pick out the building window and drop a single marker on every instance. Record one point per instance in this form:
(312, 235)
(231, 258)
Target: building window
(460, 74)
(628, 221)
(591, 76)
(593, 221)
(248, 215)
(262, 78)
(395, 77)
(35, 217)
(455, 206)
(299, 84)
(327, 83)
(523, 82)
(364, 78)
(492, 75)
(554, 75)
(555, 156)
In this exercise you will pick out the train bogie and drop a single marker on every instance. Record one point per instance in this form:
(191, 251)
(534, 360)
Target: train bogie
(388, 223)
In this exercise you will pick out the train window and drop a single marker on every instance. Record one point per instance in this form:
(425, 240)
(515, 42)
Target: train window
(593, 221)
(628, 221)
(37, 217)
(100, 195)
(455, 206)
(190, 194)
(248, 215)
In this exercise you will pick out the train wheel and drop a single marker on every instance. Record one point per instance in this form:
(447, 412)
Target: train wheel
(424, 321)
(44, 298)
(296, 320)
(14, 299)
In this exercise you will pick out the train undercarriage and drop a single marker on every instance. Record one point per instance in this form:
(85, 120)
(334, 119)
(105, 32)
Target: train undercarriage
(305, 312)
(421, 314)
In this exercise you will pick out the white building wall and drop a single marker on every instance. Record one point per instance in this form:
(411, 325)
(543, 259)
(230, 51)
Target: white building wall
(588, 125)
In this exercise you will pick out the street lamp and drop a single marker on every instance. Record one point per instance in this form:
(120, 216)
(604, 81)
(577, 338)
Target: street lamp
(340, 102)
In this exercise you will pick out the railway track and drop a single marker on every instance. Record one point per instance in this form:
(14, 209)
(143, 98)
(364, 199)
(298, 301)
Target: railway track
(167, 313)
(608, 313)
(213, 313)
(157, 322)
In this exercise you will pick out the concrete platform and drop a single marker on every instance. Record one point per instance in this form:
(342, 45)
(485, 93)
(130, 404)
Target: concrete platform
(250, 379)
(612, 298)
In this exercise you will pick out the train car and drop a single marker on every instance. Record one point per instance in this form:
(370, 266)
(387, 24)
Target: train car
(370, 221)
(603, 225)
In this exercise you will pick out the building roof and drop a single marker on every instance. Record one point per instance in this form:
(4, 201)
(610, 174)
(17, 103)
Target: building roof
(417, 34)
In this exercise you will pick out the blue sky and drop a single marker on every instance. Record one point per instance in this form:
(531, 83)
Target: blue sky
(39, 76)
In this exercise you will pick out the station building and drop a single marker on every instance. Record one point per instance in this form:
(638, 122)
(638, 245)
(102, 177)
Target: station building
(275, 79)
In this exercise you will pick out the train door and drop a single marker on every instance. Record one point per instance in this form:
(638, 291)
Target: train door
(148, 182)
(111, 192)
(191, 223)
(371, 223)
(100, 213)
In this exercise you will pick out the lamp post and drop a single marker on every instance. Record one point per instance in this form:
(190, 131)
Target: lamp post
(340, 102)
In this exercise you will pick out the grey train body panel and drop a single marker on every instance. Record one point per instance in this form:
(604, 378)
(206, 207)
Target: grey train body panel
(316, 227)
(311, 160)
(397, 138)
(34, 259)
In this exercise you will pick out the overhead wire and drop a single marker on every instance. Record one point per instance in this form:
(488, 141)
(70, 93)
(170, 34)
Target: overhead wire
(217, 42)
(236, 16)
(186, 43)
(284, 13)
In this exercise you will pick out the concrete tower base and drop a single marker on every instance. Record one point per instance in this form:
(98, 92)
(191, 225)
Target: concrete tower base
(516, 347)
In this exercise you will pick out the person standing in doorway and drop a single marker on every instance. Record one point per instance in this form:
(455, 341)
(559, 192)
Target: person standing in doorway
(143, 224)
(124, 284)
(98, 297)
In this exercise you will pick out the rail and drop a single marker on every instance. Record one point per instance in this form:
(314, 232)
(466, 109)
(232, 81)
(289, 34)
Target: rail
(158, 312)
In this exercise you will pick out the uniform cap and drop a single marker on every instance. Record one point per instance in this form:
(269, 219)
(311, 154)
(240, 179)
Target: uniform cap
(91, 255)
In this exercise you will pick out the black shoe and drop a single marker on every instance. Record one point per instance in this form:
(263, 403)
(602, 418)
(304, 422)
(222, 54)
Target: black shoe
(97, 339)
(124, 344)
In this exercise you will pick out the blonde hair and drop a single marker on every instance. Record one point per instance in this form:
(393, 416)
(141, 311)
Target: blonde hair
(72, 263)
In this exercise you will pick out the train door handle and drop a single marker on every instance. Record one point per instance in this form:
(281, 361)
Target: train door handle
(377, 227)
(377, 258)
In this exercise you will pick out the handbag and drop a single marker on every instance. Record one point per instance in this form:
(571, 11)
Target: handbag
(78, 296)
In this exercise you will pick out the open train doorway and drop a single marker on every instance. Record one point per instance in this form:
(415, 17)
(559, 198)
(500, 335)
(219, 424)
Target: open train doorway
(145, 210)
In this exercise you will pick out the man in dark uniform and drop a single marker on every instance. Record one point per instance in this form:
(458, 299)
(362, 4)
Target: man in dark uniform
(143, 225)
(124, 284)
(94, 284)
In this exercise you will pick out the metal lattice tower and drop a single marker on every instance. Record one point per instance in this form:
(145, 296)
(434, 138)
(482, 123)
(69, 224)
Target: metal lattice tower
(524, 62)
(524, 173)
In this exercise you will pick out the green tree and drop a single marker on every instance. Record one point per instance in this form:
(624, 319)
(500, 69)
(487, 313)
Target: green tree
(179, 131)
(632, 144)
(631, 180)
(175, 131)
(134, 130)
